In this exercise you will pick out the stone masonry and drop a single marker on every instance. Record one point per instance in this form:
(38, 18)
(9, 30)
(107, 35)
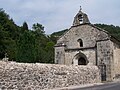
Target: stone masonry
(24, 76)
(86, 44)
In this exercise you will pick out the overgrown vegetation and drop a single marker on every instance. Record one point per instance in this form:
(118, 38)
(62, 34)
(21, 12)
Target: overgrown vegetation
(25, 45)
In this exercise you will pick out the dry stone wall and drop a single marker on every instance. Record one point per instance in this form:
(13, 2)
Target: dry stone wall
(24, 76)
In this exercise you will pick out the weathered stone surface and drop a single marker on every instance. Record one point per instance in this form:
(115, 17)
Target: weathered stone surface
(105, 56)
(86, 44)
(117, 63)
(24, 76)
(88, 34)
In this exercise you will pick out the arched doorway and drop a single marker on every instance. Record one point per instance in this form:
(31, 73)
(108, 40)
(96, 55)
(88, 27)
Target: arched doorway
(80, 59)
(103, 71)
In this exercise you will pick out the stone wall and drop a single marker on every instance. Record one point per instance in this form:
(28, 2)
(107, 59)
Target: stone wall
(89, 34)
(105, 57)
(70, 56)
(117, 63)
(60, 55)
(24, 76)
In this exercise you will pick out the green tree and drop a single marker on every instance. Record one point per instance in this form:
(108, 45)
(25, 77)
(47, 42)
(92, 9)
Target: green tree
(1, 43)
(8, 35)
(50, 52)
(25, 26)
(26, 48)
(38, 28)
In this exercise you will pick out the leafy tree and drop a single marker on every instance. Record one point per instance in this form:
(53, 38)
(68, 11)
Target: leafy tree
(25, 26)
(26, 48)
(50, 52)
(38, 28)
(1, 43)
(7, 33)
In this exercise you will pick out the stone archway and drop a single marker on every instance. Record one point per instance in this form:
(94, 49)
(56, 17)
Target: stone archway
(80, 59)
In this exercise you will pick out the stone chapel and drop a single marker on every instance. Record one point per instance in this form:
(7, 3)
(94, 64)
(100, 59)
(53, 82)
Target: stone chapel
(86, 44)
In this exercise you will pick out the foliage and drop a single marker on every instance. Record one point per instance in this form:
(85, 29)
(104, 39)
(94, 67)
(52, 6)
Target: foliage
(22, 44)
(7, 34)
(38, 28)
(113, 30)
(25, 26)
(25, 48)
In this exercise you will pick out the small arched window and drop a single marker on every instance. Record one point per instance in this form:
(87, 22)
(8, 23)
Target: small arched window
(80, 42)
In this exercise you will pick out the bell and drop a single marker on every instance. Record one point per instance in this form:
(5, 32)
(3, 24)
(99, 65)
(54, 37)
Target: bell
(81, 19)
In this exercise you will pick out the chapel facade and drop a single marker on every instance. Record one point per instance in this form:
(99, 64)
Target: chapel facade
(86, 44)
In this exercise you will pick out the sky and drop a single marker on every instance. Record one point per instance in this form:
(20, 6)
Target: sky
(57, 15)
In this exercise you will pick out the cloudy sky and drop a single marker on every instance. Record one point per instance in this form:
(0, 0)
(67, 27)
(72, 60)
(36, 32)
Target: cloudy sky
(56, 15)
